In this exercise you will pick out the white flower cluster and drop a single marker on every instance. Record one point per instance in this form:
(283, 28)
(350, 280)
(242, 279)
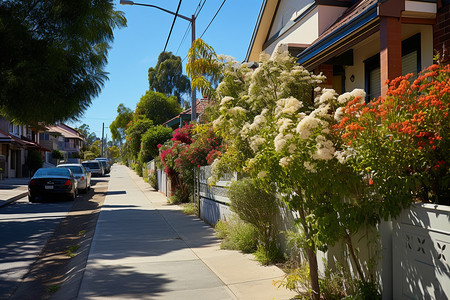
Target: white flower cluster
(259, 120)
(256, 141)
(285, 161)
(310, 166)
(237, 110)
(344, 98)
(325, 149)
(328, 95)
(225, 100)
(289, 105)
(306, 126)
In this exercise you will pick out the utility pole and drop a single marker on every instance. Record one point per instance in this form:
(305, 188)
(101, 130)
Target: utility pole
(103, 132)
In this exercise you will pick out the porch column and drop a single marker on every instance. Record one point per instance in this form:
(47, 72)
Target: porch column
(327, 70)
(390, 40)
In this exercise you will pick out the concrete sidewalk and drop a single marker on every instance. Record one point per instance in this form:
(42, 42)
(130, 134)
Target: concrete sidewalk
(12, 189)
(144, 248)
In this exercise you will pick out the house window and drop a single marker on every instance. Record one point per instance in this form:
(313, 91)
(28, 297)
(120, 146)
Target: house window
(44, 136)
(14, 129)
(411, 63)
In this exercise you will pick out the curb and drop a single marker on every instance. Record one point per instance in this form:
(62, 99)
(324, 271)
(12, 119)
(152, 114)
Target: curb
(13, 199)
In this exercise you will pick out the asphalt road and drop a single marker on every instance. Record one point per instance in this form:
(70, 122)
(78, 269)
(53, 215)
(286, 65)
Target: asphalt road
(25, 228)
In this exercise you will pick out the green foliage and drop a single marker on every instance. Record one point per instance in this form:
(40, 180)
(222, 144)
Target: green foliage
(114, 152)
(167, 76)
(75, 155)
(267, 255)
(71, 250)
(153, 180)
(89, 136)
(204, 68)
(89, 155)
(138, 166)
(144, 173)
(189, 208)
(237, 235)
(134, 132)
(119, 125)
(34, 161)
(297, 279)
(150, 140)
(157, 107)
(53, 53)
(181, 194)
(56, 154)
(260, 208)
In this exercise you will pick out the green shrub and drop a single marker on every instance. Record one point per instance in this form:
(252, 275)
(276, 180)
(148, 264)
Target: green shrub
(145, 173)
(237, 235)
(56, 154)
(189, 208)
(153, 180)
(259, 208)
(34, 161)
(138, 168)
(297, 280)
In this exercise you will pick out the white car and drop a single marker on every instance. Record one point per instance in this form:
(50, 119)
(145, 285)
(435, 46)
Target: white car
(80, 173)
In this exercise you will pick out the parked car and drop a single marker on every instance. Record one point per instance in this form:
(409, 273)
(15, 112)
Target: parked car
(81, 174)
(52, 183)
(107, 164)
(95, 166)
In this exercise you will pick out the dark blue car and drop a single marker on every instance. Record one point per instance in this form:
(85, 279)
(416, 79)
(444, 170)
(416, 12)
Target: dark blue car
(54, 183)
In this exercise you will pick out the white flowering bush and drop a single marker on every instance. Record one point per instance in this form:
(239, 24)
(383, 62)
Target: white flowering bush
(277, 126)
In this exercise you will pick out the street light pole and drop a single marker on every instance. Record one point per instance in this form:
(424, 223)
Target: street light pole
(192, 21)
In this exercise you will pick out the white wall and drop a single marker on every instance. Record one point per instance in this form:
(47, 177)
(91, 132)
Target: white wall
(304, 32)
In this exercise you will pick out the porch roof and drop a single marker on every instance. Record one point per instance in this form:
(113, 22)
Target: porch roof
(65, 133)
(357, 23)
(22, 142)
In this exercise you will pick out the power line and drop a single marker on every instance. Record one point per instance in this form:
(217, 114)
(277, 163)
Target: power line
(184, 37)
(213, 18)
(196, 13)
(200, 7)
(173, 23)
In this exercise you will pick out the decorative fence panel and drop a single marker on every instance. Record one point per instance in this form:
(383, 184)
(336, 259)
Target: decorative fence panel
(213, 202)
(421, 253)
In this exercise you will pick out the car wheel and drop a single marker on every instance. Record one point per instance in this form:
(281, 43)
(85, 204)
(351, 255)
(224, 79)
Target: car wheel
(73, 196)
(32, 199)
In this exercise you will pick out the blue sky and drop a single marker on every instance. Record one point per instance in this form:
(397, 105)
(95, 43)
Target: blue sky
(136, 48)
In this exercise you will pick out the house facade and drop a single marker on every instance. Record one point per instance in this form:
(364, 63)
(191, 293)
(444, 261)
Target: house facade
(63, 138)
(361, 44)
(16, 142)
(355, 43)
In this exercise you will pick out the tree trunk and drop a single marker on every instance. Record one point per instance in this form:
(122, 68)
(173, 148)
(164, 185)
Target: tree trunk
(348, 241)
(313, 273)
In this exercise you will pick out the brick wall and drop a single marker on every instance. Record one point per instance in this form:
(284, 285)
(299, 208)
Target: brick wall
(441, 32)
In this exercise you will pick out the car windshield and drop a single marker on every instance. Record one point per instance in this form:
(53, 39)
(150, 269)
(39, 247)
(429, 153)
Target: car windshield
(74, 169)
(52, 172)
(92, 165)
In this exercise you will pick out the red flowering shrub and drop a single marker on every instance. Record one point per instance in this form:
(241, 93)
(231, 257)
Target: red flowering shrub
(186, 152)
(402, 141)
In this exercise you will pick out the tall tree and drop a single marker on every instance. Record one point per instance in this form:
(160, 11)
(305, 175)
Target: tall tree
(157, 107)
(90, 137)
(119, 125)
(167, 76)
(52, 56)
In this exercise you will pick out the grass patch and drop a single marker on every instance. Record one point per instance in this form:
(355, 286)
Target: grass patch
(52, 289)
(71, 251)
(189, 208)
(237, 235)
(82, 232)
